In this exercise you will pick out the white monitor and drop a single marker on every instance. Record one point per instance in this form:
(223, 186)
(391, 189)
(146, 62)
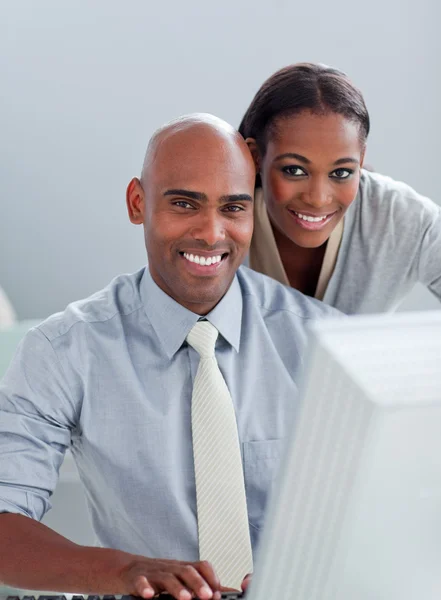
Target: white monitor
(355, 513)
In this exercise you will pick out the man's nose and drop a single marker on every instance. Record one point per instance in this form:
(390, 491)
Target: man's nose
(210, 229)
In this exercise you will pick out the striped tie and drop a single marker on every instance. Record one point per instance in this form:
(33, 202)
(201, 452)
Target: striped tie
(224, 536)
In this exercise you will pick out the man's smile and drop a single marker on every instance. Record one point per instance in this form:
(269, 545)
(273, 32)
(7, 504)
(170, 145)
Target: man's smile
(203, 263)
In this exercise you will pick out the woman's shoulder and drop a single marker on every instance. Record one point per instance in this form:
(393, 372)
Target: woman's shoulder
(382, 194)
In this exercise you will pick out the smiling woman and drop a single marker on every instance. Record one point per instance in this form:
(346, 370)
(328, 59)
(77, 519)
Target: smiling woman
(324, 225)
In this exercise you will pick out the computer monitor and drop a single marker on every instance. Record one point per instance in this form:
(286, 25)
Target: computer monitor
(355, 512)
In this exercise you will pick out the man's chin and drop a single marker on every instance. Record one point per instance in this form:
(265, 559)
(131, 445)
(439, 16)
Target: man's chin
(203, 297)
(198, 294)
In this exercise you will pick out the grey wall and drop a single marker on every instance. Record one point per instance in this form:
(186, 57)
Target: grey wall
(84, 84)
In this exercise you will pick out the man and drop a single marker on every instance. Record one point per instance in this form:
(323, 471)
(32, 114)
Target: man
(124, 378)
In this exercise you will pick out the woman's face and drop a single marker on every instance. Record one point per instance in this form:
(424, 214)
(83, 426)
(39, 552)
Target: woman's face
(310, 175)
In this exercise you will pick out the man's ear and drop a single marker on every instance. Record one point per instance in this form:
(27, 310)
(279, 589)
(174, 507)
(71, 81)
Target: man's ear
(252, 145)
(135, 200)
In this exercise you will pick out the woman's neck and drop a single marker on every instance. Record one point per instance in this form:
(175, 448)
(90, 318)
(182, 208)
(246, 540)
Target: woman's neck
(302, 265)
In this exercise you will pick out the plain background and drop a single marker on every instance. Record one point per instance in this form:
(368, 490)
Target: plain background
(84, 84)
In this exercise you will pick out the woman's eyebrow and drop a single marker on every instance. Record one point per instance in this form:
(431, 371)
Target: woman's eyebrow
(306, 161)
(347, 159)
(298, 157)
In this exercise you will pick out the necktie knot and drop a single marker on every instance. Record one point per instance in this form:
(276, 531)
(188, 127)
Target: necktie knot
(202, 338)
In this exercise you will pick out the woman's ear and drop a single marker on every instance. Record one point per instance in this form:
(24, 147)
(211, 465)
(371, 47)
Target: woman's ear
(252, 145)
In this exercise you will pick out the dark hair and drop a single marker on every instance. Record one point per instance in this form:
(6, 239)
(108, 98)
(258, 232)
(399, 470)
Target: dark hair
(303, 86)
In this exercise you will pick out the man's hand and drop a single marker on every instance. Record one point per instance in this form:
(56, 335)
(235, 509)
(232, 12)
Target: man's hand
(246, 582)
(146, 577)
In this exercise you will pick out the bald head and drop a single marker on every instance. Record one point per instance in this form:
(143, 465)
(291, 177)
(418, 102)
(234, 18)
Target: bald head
(188, 133)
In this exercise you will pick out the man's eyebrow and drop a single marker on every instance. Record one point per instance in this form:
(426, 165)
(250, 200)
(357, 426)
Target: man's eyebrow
(235, 198)
(203, 197)
(306, 161)
(187, 194)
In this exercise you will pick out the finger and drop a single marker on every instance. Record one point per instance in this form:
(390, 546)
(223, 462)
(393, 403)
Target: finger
(143, 587)
(195, 582)
(168, 582)
(208, 573)
(246, 582)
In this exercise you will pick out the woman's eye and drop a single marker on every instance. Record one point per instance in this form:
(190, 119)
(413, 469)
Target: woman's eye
(293, 171)
(341, 173)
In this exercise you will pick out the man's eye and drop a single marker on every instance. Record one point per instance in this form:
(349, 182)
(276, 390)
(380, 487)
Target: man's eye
(293, 171)
(341, 173)
(234, 208)
(182, 204)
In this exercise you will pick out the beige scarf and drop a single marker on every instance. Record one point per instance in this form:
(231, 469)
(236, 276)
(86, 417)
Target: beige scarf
(264, 254)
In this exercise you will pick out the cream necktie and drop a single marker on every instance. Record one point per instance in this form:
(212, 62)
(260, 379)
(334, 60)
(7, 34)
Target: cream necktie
(224, 536)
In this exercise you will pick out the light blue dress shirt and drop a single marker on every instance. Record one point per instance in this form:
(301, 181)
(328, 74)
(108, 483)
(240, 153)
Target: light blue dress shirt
(111, 377)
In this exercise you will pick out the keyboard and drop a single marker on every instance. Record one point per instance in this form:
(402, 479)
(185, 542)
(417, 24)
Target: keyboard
(225, 596)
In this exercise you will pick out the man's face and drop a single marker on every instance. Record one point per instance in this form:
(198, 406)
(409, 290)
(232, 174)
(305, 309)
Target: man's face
(198, 215)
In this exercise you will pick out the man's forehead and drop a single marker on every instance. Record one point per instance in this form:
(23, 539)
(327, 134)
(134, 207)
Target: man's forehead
(198, 142)
(200, 159)
(193, 152)
(219, 178)
(193, 131)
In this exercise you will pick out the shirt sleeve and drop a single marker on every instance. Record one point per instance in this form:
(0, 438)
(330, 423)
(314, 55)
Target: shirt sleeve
(429, 267)
(36, 419)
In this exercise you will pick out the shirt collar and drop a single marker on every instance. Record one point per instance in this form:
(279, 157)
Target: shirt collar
(172, 322)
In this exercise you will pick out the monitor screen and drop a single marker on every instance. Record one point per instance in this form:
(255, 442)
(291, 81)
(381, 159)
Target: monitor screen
(355, 512)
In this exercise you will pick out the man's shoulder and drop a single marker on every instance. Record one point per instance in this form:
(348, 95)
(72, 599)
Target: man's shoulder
(120, 297)
(271, 296)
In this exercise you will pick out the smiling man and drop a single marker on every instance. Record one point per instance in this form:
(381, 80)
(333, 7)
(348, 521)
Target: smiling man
(196, 209)
(173, 387)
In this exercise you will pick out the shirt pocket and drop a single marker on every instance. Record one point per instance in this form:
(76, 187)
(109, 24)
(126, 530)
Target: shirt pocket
(261, 460)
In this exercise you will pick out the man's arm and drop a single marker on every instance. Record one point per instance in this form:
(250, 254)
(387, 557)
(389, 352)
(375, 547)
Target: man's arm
(38, 410)
(33, 556)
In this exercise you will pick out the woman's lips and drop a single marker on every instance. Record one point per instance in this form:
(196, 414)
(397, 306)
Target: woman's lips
(310, 221)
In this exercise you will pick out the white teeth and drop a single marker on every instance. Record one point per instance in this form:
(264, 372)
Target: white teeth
(202, 260)
(311, 219)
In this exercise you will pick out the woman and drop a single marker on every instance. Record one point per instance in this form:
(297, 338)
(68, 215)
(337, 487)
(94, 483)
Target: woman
(356, 240)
